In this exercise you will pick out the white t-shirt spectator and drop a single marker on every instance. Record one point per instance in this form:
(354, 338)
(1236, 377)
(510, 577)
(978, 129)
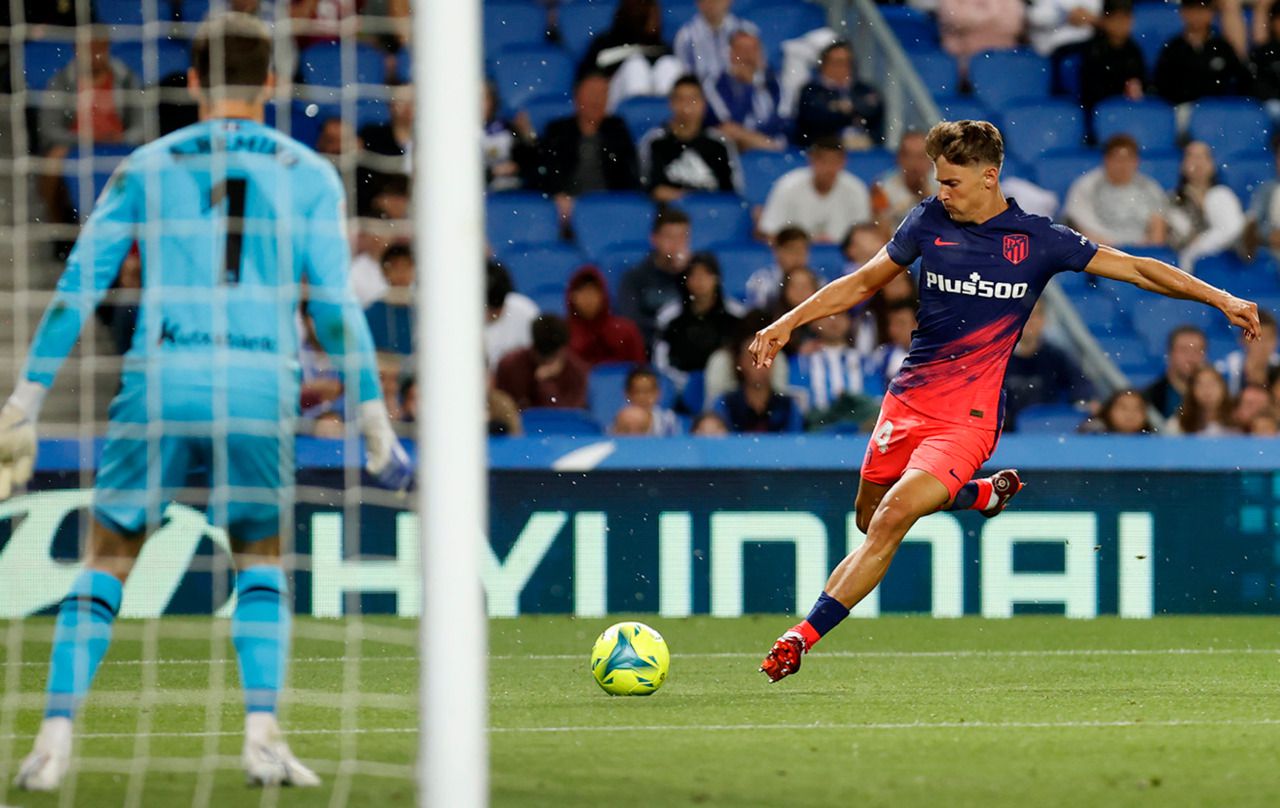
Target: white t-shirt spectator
(793, 201)
(512, 330)
(1119, 214)
(1047, 24)
(367, 280)
(1196, 233)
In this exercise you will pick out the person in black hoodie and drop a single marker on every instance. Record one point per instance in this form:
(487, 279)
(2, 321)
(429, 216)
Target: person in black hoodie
(697, 326)
(1112, 63)
(684, 155)
(837, 104)
(1199, 62)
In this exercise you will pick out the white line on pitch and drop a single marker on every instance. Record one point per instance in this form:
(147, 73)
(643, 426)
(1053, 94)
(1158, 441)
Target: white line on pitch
(226, 733)
(897, 726)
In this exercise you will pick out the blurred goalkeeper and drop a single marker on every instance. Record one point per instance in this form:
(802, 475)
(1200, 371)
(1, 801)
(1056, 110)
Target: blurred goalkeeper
(231, 218)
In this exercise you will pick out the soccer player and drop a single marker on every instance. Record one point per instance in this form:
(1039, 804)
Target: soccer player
(232, 218)
(984, 264)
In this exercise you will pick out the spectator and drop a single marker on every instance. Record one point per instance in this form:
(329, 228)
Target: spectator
(830, 370)
(97, 101)
(901, 189)
(1264, 62)
(509, 147)
(1040, 373)
(1031, 197)
(389, 365)
(1254, 363)
(756, 405)
(409, 400)
(374, 235)
(822, 198)
(391, 318)
(703, 43)
(886, 360)
(632, 420)
(709, 425)
(1204, 216)
(509, 316)
(860, 245)
(790, 253)
(588, 151)
(1112, 63)
(1115, 203)
(684, 155)
(969, 27)
(387, 147)
(722, 375)
(797, 287)
(1184, 355)
(644, 393)
(1199, 62)
(1263, 228)
(698, 325)
(742, 100)
(1054, 25)
(1206, 410)
(596, 334)
(328, 425)
(332, 139)
(836, 104)
(1253, 400)
(546, 374)
(1125, 412)
(1265, 424)
(632, 54)
(504, 415)
(656, 281)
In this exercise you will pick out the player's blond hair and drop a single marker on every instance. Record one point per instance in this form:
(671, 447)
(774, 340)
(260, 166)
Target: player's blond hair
(965, 143)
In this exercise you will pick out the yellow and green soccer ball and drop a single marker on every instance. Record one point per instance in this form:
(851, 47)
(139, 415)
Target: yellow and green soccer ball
(630, 659)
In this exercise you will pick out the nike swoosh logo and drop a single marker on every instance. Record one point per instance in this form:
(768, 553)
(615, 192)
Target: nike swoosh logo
(938, 242)
(952, 472)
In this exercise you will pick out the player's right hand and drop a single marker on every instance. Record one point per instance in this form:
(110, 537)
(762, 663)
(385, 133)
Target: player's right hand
(768, 341)
(1244, 314)
(385, 459)
(17, 447)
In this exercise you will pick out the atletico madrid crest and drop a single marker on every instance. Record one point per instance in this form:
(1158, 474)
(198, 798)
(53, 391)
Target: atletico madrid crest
(1017, 248)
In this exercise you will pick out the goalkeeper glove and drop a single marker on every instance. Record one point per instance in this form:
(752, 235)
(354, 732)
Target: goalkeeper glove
(18, 435)
(385, 459)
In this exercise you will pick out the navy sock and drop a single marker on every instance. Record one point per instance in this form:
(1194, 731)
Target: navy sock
(974, 495)
(825, 615)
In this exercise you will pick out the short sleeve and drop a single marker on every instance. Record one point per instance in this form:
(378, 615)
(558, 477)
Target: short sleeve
(1071, 250)
(904, 247)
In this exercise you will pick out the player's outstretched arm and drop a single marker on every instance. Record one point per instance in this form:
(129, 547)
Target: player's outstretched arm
(841, 294)
(1161, 278)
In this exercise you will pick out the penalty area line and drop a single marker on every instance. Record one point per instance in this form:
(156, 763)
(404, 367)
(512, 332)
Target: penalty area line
(912, 725)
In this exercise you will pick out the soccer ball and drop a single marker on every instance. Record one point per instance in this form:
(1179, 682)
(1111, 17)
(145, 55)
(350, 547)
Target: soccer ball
(630, 659)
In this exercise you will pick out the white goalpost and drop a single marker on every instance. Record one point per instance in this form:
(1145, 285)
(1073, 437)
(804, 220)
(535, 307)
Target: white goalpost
(452, 492)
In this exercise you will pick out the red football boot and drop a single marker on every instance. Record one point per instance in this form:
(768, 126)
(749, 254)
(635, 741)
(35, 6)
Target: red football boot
(784, 658)
(1005, 484)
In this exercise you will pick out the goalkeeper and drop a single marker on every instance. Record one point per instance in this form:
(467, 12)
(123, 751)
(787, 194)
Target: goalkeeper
(231, 218)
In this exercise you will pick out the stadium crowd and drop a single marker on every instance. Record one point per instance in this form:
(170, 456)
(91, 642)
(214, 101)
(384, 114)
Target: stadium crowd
(664, 179)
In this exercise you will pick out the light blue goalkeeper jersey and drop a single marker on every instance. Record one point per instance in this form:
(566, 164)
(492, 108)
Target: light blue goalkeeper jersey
(232, 219)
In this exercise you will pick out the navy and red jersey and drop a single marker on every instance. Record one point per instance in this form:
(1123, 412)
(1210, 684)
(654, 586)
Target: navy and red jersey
(978, 284)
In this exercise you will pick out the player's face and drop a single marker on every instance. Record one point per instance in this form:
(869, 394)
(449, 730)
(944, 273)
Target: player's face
(965, 190)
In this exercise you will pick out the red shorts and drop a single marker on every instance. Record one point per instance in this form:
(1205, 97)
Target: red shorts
(905, 438)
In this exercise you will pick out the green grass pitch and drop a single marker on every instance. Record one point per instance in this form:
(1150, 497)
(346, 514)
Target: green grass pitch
(902, 711)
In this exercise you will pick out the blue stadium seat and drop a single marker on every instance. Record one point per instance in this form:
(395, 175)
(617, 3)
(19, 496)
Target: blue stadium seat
(605, 219)
(779, 22)
(1163, 166)
(1057, 419)
(963, 108)
(692, 394)
(543, 111)
(130, 12)
(869, 165)
(1228, 271)
(1231, 126)
(537, 267)
(1128, 351)
(827, 260)
(617, 259)
(1031, 130)
(520, 217)
(543, 421)
(306, 117)
(321, 66)
(42, 59)
(1151, 122)
(391, 326)
(716, 218)
(193, 10)
(937, 70)
(1245, 174)
(513, 24)
(1099, 312)
(1153, 25)
(1058, 170)
(606, 390)
(582, 22)
(1000, 77)
(548, 297)
(1154, 317)
(542, 72)
(104, 160)
(761, 169)
(1220, 345)
(1067, 80)
(172, 56)
(914, 28)
(642, 113)
(738, 262)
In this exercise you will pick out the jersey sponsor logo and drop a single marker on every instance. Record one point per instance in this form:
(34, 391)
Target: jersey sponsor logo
(938, 242)
(172, 333)
(975, 286)
(1017, 248)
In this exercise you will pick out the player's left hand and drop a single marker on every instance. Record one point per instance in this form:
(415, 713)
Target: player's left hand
(17, 448)
(385, 459)
(1243, 313)
(768, 341)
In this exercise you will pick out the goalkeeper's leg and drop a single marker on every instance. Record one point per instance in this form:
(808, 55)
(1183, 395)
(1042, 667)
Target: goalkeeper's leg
(80, 640)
